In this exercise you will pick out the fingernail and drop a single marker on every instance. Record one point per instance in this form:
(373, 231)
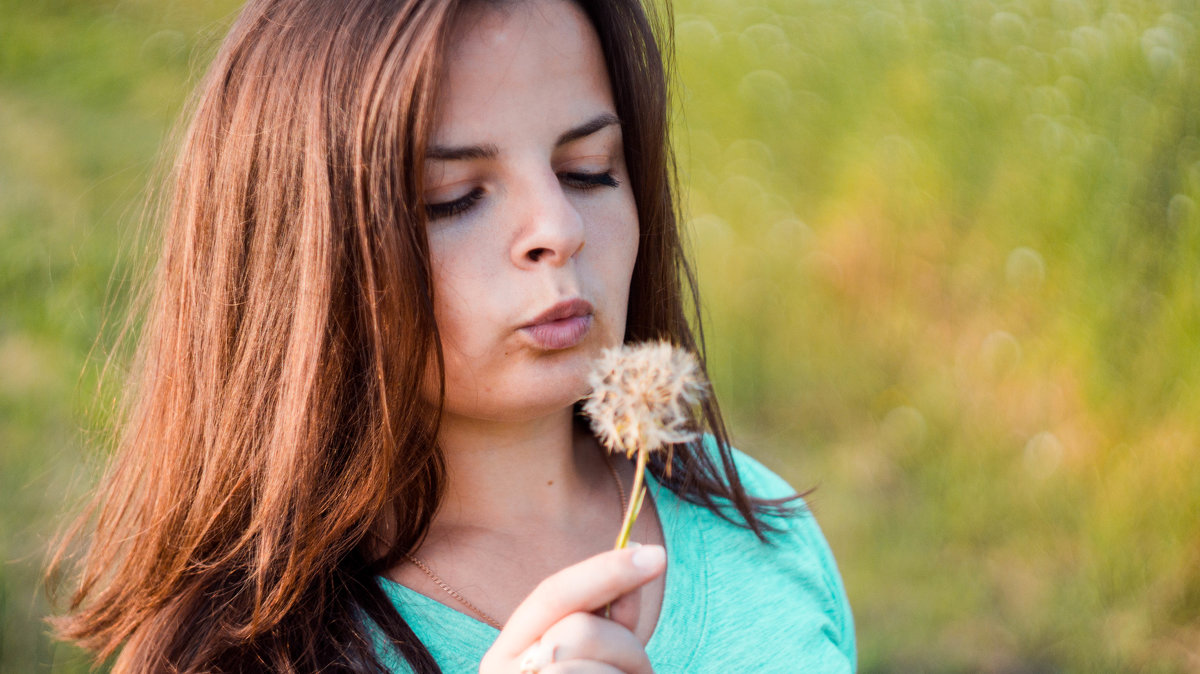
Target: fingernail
(633, 544)
(649, 556)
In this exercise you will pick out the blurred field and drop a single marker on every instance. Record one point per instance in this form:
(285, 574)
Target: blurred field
(951, 257)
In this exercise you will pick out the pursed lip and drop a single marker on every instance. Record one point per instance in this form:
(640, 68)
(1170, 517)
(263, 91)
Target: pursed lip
(573, 308)
(562, 326)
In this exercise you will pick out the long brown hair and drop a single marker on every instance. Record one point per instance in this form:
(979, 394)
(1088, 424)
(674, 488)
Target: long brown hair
(274, 455)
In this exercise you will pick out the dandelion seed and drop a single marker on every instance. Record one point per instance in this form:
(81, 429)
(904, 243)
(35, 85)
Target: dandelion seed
(642, 396)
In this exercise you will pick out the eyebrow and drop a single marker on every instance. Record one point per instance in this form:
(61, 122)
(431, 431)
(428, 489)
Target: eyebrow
(586, 129)
(490, 151)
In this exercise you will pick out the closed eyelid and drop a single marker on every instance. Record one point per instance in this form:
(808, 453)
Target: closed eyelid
(585, 165)
(605, 127)
(589, 157)
(445, 186)
(449, 185)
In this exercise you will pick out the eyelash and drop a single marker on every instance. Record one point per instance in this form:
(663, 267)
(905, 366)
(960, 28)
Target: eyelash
(586, 181)
(576, 180)
(449, 208)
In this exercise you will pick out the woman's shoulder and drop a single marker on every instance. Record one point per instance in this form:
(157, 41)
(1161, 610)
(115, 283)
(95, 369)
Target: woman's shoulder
(756, 479)
(795, 522)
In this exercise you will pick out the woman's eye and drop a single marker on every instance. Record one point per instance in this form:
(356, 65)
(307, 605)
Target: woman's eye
(587, 181)
(576, 179)
(446, 209)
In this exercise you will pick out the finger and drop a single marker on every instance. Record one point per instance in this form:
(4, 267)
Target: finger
(583, 636)
(582, 587)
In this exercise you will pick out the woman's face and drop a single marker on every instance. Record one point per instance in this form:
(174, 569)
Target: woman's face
(532, 224)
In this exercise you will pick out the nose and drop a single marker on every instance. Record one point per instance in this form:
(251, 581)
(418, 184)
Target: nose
(551, 228)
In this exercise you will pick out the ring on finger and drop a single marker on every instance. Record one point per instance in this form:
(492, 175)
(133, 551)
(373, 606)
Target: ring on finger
(537, 656)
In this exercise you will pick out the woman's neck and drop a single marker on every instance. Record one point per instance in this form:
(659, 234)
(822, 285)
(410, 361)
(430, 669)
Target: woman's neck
(523, 502)
(513, 477)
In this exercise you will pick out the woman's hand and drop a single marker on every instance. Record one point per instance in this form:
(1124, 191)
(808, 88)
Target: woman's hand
(554, 629)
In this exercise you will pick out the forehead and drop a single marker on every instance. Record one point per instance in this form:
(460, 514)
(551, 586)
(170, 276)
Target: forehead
(520, 68)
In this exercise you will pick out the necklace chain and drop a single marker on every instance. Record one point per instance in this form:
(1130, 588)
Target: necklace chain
(463, 600)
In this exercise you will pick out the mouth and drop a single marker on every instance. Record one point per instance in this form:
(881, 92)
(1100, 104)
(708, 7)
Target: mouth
(562, 326)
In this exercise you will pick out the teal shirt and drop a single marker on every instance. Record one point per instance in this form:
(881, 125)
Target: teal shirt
(731, 602)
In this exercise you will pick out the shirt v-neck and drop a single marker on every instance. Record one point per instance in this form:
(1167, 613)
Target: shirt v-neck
(457, 639)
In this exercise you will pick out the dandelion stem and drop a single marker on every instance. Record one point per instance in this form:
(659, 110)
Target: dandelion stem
(635, 503)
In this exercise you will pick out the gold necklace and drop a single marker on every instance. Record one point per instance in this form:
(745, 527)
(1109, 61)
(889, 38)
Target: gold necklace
(463, 600)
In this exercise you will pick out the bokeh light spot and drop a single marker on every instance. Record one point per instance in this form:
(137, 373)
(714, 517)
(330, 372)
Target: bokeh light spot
(1043, 454)
(1025, 269)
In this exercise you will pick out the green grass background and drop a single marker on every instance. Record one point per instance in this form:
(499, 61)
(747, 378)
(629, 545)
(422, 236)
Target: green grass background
(950, 253)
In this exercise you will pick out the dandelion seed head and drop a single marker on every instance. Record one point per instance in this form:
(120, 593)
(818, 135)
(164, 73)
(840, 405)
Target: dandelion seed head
(642, 396)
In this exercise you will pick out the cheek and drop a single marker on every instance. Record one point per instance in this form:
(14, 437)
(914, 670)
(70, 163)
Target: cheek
(468, 311)
(615, 230)
(616, 239)
(458, 280)
(627, 235)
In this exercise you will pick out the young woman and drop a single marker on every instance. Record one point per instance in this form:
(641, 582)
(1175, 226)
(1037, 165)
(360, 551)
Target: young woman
(401, 233)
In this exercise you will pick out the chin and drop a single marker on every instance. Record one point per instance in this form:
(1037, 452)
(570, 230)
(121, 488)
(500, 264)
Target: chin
(549, 396)
(532, 385)
(517, 411)
(546, 397)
